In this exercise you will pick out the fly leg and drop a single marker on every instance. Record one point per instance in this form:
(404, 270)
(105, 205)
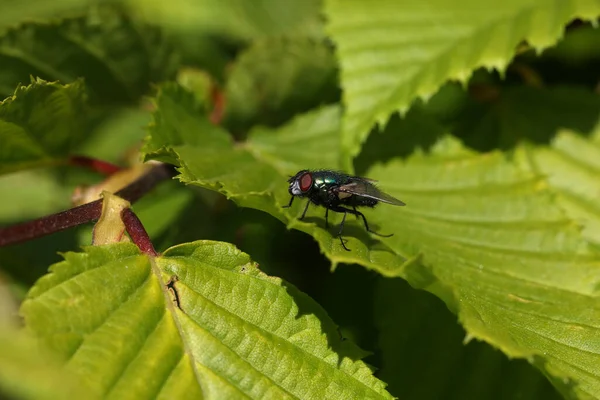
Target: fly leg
(342, 228)
(290, 203)
(305, 209)
(357, 213)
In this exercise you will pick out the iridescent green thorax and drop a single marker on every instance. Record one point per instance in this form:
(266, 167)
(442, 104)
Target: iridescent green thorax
(326, 179)
(338, 192)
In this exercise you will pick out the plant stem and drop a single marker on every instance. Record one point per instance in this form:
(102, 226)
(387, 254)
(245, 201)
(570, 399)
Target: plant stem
(85, 213)
(103, 167)
(218, 99)
(137, 232)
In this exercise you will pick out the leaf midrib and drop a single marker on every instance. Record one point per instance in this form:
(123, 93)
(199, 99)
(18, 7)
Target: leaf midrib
(266, 333)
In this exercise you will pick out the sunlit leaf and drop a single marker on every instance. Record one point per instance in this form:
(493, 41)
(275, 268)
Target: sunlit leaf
(199, 321)
(393, 52)
(26, 372)
(254, 173)
(489, 236)
(572, 165)
(497, 248)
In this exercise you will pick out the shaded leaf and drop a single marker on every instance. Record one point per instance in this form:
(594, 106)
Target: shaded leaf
(172, 214)
(393, 52)
(30, 194)
(116, 137)
(424, 357)
(417, 130)
(254, 173)
(276, 78)
(40, 124)
(220, 329)
(117, 56)
(520, 113)
(14, 12)
(233, 18)
(578, 47)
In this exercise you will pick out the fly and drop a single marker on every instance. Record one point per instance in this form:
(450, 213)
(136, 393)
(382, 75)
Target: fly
(338, 192)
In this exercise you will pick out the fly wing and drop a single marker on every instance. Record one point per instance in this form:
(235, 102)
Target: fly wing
(364, 187)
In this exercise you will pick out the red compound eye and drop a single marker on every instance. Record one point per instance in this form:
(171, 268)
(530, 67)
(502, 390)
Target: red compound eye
(306, 182)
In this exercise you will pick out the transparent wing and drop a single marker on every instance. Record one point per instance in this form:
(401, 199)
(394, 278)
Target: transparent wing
(365, 188)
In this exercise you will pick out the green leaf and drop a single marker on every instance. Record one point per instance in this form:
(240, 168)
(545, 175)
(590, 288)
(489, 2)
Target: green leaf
(14, 12)
(199, 321)
(254, 173)
(521, 113)
(572, 165)
(579, 46)
(40, 124)
(416, 130)
(117, 56)
(26, 372)
(479, 231)
(424, 357)
(391, 53)
(116, 135)
(275, 78)
(30, 194)
(234, 18)
(496, 247)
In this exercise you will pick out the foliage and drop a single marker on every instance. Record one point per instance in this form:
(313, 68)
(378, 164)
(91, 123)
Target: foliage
(485, 121)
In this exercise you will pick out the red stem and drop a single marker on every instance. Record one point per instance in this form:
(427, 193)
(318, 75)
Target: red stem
(137, 232)
(85, 213)
(100, 166)
(218, 100)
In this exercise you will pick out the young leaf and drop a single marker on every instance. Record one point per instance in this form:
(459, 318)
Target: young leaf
(254, 174)
(392, 52)
(40, 124)
(199, 321)
(117, 56)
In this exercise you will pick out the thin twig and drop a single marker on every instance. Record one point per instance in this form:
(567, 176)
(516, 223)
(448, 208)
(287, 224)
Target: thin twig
(103, 167)
(85, 213)
(137, 232)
